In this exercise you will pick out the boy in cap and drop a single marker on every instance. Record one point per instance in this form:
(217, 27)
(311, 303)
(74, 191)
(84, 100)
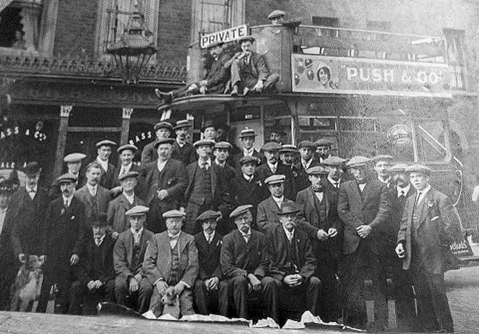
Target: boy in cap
(245, 259)
(128, 256)
(64, 222)
(307, 160)
(162, 130)
(94, 274)
(104, 149)
(247, 138)
(210, 289)
(430, 224)
(171, 260)
(183, 150)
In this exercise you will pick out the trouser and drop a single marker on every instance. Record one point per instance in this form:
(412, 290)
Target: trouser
(404, 294)
(62, 280)
(186, 303)
(206, 300)
(330, 309)
(79, 293)
(7, 277)
(236, 77)
(309, 290)
(141, 298)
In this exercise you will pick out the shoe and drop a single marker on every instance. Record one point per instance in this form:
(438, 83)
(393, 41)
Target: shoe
(234, 92)
(166, 97)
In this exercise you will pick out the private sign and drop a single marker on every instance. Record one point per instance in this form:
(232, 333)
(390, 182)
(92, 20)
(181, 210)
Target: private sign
(224, 36)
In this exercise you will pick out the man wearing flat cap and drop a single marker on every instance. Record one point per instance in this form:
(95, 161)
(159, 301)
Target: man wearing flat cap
(128, 256)
(171, 260)
(221, 152)
(245, 259)
(73, 162)
(320, 221)
(206, 188)
(430, 224)
(94, 274)
(64, 223)
(117, 208)
(335, 167)
(274, 166)
(214, 82)
(364, 207)
(162, 130)
(163, 183)
(126, 154)
(323, 148)
(211, 290)
(268, 209)
(104, 149)
(307, 160)
(249, 71)
(293, 263)
(381, 164)
(276, 16)
(183, 150)
(247, 138)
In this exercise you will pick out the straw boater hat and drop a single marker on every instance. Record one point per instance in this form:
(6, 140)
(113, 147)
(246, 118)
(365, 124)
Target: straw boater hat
(184, 123)
(164, 141)
(130, 147)
(288, 148)
(203, 142)
(247, 133)
(105, 142)
(276, 178)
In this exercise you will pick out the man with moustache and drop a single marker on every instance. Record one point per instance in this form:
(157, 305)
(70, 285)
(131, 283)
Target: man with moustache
(247, 138)
(107, 175)
(323, 149)
(162, 130)
(307, 160)
(182, 150)
(287, 155)
(64, 221)
(126, 154)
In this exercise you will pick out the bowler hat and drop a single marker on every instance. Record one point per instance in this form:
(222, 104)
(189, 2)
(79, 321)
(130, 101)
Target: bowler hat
(133, 148)
(105, 142)
(288, 208)
(99, 219)
(240, 210)
(32, 168)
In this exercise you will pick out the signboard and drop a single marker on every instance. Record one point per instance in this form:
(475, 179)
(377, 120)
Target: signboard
(340, 75)
(224, 36)
(400, 135)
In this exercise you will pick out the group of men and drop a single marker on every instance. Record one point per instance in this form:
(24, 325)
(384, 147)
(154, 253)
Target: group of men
(286, 227)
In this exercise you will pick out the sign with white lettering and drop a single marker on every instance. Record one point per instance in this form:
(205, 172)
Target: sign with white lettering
(340, 75)
(223, 36)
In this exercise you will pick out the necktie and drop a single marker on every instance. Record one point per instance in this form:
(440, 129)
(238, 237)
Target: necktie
(97, 242)
(210, 238)
(246, 237)
(66, 203)
(122, 171)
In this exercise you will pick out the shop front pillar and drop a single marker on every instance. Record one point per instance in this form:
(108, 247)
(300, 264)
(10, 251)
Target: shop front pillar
(62, 138)
(125, 126)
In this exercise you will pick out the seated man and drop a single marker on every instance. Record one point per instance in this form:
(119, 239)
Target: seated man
(128, 256)
(94, 275)
(249, 71)
(293, 262)
(245, 260)
(215, 81)
(210, 290)
(171, 260)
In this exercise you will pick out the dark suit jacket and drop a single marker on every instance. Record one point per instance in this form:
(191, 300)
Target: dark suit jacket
(397, 210)
(149, 153)
(311, 221)
(209, 256)
(437, 229)
(259, 67)
(302, 178)
(278, 243)
(238, 156)
(371, 208)
(244, 192)
(134, 168)
(267, 215)
(123, 254)
(117, 208)
(186, 155)
(228, 172)
(107, 177)
(239, 258)
(157, 263)
(218, 75)
(103, 198)
(264, 172)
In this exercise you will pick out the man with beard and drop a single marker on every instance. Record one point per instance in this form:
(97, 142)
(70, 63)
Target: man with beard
(182, 150)
(64, 221)
(247, 138)
(307, 160)
(323, 149)
(107, 175)
(382, 163)
(163, 130)
(214, 83)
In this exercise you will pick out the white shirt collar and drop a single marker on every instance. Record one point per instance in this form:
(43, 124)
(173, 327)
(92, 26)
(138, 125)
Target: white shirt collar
(161, 164)
(129, 198)
(248, 178)
(278, 201)
(101, 240)
(136, 235)
(222, 164)
(35, 189)
(404, 190)
(179, 143)
(207, 236)
(248, 153)
(334, 183)
(92, 189)
(306, 164)
(289, 234)
(385, 181)
(248, 234)
(361, 186)
(102, 163)
(68, 199)
(207, 162)
(274, 167)
(126, 168)
(421, 194)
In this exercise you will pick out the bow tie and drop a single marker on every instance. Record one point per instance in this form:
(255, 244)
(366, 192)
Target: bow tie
(318, 191)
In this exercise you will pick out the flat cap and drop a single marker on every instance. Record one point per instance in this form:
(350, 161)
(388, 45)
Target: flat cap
(276, 178)
(276, 13)
(382, 157)
(288, 148)
(126, 175)
(105, 142)
(137, 210)
(204, 142)
(271, 146)
(247, 133)
(316, 170)
(163, 125)
(333, 161)
(164, 141)
(398, 168)
(174, 214)
(66, 178)
(210, 214)
(223, 144)
(357, 161)
(99, 219)
(208, 124)
(246, 38)
(133, 148)
(288, 208)
(32, 168)
(306, 143)
(240, 210)
(184, 123)
(247, 159)
(323, 142)
(419, 169)
(74, 157)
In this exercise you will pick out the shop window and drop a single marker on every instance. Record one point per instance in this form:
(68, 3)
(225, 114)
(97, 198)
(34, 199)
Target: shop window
(456, 55)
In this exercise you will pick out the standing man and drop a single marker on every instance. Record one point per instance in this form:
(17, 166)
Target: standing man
(382, 163)
(276, 134)
(206, 188)
(334, 167)
(107, 176)
(363, 206)
(323, 149)
(211, 291)
(182, 150)
(276, 16)
(128, 256)
(287, 155)
(163, 130)
(429, 225)
(163, 182)
(221, 152)
(320, 221)
(208, 130)
(171, 260)
(64, 222)
(73, 162)
(307, 161)
(247, 138)
(94, 197)
(245, 260)
(126, 154)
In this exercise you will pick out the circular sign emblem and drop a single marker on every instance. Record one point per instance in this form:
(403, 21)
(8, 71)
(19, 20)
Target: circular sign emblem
(400, 135)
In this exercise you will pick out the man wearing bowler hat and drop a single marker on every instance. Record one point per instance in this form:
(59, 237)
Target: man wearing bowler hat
(94, 274)
(128, 256)
(247, 138)
(208, 130)
(64, 222)
(249, 71)
(126, 153)
(163, 130)
(307, 160)
(183, 150)
(104, 149)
